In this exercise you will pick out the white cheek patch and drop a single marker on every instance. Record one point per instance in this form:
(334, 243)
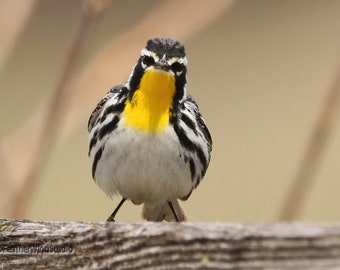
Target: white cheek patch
(183, 61)
(145, 52)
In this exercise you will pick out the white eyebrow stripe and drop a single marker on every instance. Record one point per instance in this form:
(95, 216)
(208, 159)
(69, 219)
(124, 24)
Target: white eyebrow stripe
(146, 52)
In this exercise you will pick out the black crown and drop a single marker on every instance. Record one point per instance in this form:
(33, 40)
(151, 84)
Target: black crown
(166, 46)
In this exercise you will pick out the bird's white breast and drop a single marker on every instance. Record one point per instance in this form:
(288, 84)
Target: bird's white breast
(143, 166)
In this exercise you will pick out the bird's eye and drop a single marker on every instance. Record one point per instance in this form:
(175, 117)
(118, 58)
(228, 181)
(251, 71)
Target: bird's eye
(148, 60)
(177, 67)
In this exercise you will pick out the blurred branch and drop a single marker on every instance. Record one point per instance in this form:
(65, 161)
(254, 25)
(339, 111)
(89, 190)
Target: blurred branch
(11, 26)
(313, 154)
(54, 112)
(10, 29)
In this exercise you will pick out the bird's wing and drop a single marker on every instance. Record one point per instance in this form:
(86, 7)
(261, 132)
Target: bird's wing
(116, 90)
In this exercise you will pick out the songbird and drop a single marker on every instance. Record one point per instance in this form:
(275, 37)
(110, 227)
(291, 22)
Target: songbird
(148, 142)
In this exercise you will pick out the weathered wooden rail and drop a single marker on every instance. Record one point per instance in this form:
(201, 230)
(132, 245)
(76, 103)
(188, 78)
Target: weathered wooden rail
(68, 245)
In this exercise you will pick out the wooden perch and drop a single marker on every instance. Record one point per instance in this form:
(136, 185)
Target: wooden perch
(63, 245)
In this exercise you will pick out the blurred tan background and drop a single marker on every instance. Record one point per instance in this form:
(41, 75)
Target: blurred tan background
(261, 70)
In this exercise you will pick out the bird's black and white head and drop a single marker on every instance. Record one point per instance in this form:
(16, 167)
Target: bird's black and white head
(165, 55)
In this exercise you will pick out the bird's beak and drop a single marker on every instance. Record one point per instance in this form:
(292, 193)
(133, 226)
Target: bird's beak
(162, 65)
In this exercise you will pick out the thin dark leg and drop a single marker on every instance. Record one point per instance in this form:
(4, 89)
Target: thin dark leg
(111, 218)
(173, 211)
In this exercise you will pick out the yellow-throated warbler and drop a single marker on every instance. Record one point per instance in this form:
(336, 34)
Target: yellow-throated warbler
(148, 140)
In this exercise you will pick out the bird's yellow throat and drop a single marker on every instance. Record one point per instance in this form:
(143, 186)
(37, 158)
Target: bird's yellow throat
(150, 105)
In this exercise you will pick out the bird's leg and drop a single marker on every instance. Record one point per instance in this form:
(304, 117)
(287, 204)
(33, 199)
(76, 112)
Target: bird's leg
(111, 218)
(173, 210)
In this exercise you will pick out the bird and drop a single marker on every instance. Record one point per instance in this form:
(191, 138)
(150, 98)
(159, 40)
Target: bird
(148, 141)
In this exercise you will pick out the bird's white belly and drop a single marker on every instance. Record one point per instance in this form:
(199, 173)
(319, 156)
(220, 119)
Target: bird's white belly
(144, 167)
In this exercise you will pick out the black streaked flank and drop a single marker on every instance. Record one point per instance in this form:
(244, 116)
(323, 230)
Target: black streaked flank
(198, 180)
(204, 128)
(192, 169)
(183, 138)
(190, 146)
(97, 157)
(201, 157)
(186, 119)
(109, 127)
(186, 158)
(93, 140)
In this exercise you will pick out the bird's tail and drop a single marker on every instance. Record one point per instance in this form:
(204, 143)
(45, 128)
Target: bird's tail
(163, 212)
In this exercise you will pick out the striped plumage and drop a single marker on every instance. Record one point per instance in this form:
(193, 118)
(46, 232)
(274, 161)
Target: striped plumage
(148, 140)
